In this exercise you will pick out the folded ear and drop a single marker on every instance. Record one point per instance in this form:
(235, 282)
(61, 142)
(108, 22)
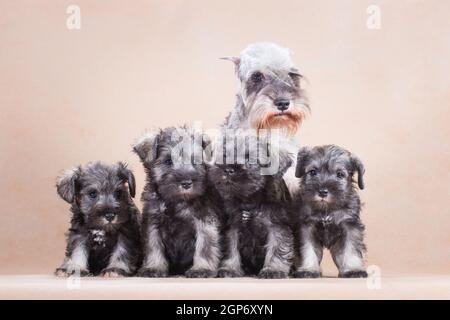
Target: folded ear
(128, 176)
(66, 184)
(358, 166)
(146, 147)
(302, 158)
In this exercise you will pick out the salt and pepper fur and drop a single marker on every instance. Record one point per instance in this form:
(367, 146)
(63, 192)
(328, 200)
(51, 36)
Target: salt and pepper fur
(180, 227)
(257, 232)
(223, 224)
(96, 246)
(267, 74)
(332, 220)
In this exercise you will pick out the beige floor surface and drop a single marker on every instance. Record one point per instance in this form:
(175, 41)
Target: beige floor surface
(387, 287)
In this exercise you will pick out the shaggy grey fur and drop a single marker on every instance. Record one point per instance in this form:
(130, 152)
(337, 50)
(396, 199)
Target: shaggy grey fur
(328, 211)
(257, 232)
(269, 96)
(180, 223)
(104, 233)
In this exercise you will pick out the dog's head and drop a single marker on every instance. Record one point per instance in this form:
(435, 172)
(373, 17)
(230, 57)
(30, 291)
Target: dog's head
(326, 174)
(270, 88)
(174, 162)
(100, 192)
(247, 169)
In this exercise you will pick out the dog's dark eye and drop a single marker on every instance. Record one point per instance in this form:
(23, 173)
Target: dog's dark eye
(294, 76)
(93, 194)
(257, 77)
(312, 172)
(168, 162)
(340, 174)
(118, 194)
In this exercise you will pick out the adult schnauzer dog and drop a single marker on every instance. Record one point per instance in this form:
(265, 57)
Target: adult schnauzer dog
(329, 211)
(180, 222)
(104, 234)
(257, 235)
(269, 96)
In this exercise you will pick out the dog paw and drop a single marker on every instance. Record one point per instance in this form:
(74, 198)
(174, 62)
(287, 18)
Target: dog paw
(62, 273)
(353, 274)
(151, 273)
(199, 273)
(272, 274)
(113, 273)
(228, 273)
(306, 274)
(67, 272)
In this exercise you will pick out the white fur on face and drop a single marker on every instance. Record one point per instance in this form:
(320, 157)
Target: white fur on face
(261, 105)
(264, 55)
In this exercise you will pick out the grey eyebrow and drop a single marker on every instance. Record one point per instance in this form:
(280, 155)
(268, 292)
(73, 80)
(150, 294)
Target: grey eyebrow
(295, 72)
(277, 77)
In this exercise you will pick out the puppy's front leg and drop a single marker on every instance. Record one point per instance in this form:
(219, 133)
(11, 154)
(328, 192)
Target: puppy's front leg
(310, 254)
(76, 260)
(279, 255)
(348, 251)
(231, 265)
(207, 250)
(119, 262)
(155, 263)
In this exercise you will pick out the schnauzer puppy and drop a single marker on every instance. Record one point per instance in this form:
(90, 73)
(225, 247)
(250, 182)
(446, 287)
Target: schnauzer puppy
(329, 211)
(104, 234)
(257, 235)
(270, 96)
(180, 222)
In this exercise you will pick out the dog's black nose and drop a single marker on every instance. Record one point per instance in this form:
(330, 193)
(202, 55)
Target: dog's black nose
(186, 184)
(323, 192)
(229, 171)
(109, 216)
(282, 104)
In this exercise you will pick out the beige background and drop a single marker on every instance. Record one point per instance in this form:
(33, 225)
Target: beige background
(67, 97)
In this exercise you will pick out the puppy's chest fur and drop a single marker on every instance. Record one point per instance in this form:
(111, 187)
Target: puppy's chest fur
(101, 243)
(100, 240)
(253, 222)
(327, 227)
(101, 246)
(178, 234)
(326, 230)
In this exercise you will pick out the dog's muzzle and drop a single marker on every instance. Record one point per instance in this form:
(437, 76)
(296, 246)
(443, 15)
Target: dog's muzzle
(186, 184)
(282, 104)
(110, 216)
